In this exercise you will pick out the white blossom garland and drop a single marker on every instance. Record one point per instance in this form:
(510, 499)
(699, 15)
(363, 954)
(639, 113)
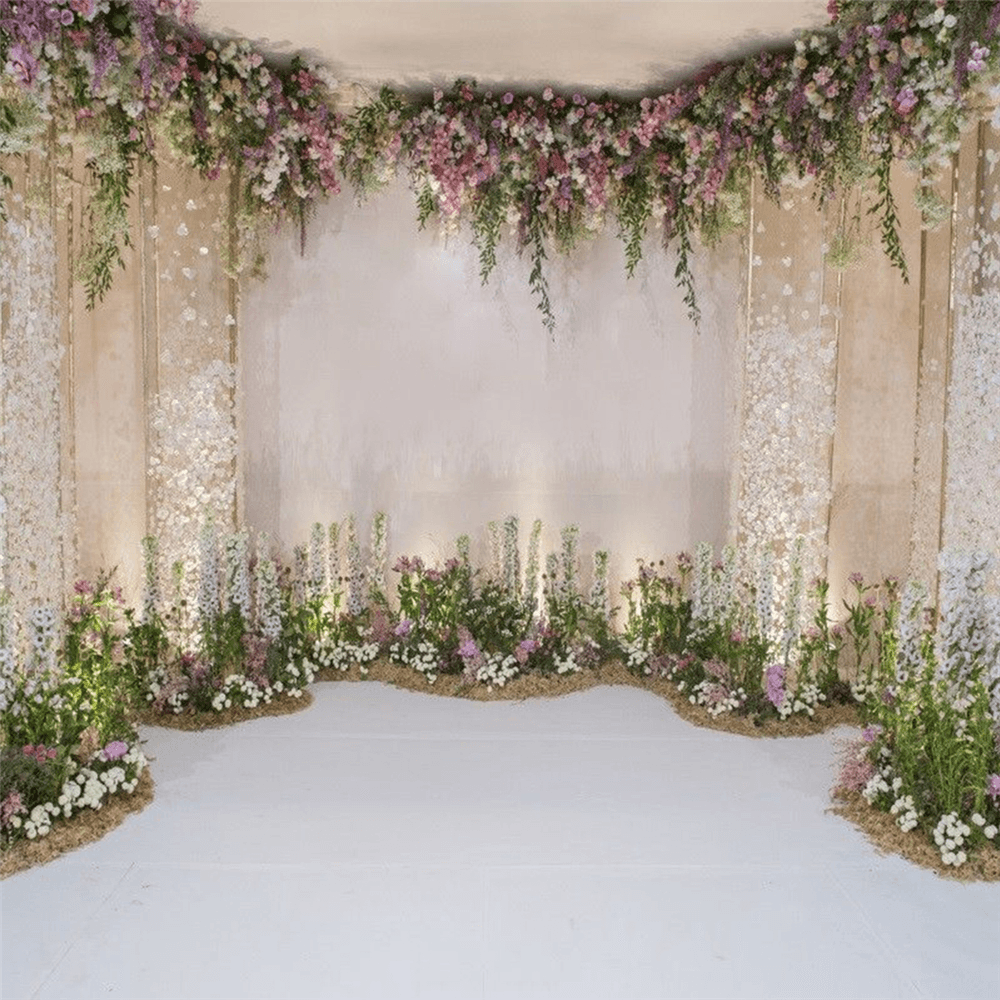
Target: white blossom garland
(788, 419)
(32, 526)
(193, 458)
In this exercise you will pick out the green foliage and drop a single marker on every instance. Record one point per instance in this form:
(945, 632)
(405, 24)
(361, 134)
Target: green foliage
(885, 208)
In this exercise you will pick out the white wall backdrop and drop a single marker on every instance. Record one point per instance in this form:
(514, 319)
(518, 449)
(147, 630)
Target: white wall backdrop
(377, 373)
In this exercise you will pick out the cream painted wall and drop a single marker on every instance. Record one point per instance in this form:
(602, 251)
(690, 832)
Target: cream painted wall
(377, 373)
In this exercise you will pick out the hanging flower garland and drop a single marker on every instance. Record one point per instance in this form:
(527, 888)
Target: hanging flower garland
(884, 81)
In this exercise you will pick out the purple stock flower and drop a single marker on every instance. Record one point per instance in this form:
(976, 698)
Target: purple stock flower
(993, 786)
(774, 678)
(468, 650)
(403, 628)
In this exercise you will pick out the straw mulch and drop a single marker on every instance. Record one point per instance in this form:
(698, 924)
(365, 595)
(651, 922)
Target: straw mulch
(886, 837)
(192, 721)
(613, 672)
(82, 828)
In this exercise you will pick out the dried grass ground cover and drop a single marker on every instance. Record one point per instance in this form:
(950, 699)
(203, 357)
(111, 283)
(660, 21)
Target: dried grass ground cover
(192, 721)
(611, 673)
(886, 837)
(80, 829)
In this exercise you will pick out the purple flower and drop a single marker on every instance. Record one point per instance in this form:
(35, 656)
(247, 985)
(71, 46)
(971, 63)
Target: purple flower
(856, 578)
(508, 98)
(115, 749)
(468, 650)
(869, 733)
(22, 64)
(524, 649)
(993, 786)
(906, 101)
(403, 628)
(774, 678)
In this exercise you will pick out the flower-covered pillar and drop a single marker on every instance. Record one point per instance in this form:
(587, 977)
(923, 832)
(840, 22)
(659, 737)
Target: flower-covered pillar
(971, 496)
(785, 425)
(36, 514)
(190, 314)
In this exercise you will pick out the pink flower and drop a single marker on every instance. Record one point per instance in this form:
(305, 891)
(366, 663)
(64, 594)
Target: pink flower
(508, 98)
(906, 101)
(114, 750)
(856, 578)
(524, 649)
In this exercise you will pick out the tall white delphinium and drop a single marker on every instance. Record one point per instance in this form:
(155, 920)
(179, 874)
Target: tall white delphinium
(793, 606)
(553, 587)
(355, 570)
(8, 660)
(511, 557)
(268, 594)
(962, 636)
(180, 607)
(333, 554)
(462, 546)
(701, 585)
(300, 574)
(208, 577)
(533, 568)
(379, 553)
(151, 582)
(909, 658)
(496, 554)
(317, 562)
(237, 547)
(599, 588)
(570, 536)
(765, 593)
(42, 629)
(725, 590)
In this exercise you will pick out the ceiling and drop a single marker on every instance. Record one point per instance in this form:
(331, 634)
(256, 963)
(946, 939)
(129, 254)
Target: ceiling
(624, 47)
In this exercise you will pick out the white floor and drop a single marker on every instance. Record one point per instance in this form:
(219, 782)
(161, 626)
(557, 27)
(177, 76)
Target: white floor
(388, 844)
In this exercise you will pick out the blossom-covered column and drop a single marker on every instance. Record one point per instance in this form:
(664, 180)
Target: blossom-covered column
(192, 363)
(972, 423)
(33, 523)
(782, 485)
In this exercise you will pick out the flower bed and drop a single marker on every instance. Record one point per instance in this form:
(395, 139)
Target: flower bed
(711, 636)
